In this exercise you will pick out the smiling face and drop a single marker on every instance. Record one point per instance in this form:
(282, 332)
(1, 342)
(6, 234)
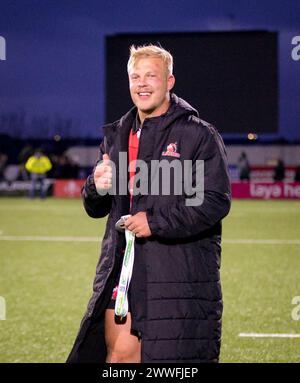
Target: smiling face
(149, 86)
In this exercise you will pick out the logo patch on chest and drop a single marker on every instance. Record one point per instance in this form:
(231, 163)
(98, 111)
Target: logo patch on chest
(171, 150)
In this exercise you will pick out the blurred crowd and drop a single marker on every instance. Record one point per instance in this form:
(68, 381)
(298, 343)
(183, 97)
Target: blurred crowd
(279, 171)
(62, 166)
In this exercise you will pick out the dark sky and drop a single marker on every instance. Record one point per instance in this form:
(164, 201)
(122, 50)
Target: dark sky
(55, 53)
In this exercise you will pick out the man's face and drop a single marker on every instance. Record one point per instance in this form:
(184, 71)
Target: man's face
(149, 87)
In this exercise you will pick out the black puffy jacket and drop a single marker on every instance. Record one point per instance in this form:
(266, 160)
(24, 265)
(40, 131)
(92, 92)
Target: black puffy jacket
(176, 298)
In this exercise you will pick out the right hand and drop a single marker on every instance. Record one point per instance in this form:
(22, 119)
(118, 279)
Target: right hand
(103, 174)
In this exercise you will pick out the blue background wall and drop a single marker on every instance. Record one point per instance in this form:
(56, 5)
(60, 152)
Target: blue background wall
(53, 78)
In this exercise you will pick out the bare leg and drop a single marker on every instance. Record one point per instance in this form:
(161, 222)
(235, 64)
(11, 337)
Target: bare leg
(122, 345)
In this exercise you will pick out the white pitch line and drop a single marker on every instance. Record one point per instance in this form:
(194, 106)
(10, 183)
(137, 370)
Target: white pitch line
(260, 335)
(48, 238)
(262, 241)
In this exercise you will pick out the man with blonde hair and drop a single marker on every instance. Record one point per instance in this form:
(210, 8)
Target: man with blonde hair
(172, 311)
(152, 51)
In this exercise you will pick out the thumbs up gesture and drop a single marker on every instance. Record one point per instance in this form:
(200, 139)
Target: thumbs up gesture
(103, 174)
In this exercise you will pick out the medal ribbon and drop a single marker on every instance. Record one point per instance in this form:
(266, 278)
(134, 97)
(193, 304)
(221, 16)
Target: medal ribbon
(121, 306)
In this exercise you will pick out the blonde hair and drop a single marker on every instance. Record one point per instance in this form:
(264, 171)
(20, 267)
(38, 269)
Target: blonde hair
(152, 51)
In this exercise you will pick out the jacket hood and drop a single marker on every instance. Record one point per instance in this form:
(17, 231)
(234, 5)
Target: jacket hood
(178, 108)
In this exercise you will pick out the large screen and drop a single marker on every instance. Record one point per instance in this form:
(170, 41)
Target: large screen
(231, 78)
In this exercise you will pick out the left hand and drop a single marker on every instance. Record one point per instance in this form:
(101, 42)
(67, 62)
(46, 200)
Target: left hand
(138, 224)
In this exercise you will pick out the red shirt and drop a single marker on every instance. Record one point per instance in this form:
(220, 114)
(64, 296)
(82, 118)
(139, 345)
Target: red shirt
(133, 148)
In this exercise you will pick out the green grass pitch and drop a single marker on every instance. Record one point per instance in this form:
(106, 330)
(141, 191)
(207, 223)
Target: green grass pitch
(46, 283)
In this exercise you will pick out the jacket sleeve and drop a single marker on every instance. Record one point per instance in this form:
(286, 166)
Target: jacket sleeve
(96, 206)
(179, 220)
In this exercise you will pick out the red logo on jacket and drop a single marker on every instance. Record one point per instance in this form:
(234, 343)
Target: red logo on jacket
(171, 150)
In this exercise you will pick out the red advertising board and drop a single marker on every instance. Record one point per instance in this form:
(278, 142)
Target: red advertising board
(67, 188)
(266, 190)
(240, 190)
